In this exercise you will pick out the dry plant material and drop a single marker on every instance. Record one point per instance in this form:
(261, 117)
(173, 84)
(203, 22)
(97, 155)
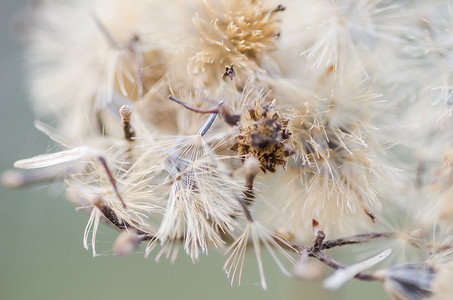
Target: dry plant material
(337, 158)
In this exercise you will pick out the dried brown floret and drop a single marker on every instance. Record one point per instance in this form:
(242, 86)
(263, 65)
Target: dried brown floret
(263, 134)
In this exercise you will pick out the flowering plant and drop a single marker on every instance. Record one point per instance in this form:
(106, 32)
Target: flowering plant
(240, 125)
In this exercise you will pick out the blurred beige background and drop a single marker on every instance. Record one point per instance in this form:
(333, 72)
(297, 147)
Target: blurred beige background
(41, 252)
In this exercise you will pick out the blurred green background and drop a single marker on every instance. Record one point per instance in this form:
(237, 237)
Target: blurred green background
(41, 252)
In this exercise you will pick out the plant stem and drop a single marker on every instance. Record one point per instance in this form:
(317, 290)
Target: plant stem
(356, 239)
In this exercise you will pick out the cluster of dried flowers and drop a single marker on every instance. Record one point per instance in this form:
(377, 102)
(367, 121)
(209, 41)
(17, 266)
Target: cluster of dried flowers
(236, 124)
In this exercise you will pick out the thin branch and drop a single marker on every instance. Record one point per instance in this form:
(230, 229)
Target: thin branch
(247, 213)
(15, 179)
(112, 179)
(230, 118)
(357, 239)
(209, 111)
(315, 251)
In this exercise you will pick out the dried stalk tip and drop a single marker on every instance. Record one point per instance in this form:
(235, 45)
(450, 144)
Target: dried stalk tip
(316, 226)
(126, 113)
(229, 72)
(319, 235)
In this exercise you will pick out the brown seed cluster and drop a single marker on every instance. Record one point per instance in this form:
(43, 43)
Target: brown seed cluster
(263, 134)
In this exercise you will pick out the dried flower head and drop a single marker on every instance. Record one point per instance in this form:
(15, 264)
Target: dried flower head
(107, 53)
(234, 32)
(334, 170)
(343, 36)
(202, 199)
(263, 134)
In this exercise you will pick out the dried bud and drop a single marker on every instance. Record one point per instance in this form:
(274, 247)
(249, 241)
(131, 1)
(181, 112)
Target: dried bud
(126, 113)
(319, 235)
(316, 227)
